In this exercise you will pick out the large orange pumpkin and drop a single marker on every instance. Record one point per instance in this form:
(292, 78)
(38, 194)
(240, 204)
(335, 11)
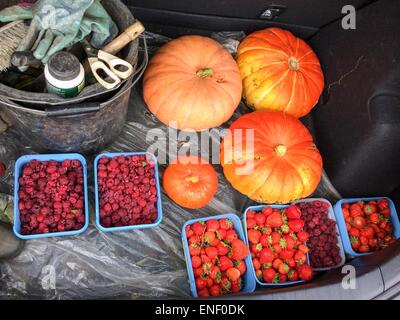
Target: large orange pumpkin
(278, 162)
(192, 83)
(190, 181)
(280, 72)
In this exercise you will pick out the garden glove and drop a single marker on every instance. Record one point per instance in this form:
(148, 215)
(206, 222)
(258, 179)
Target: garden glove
(57, 25)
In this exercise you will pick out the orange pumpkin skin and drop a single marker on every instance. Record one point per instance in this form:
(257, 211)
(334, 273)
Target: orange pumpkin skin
(286, 163)
(190, 181)
(192, 83)
(280, 72)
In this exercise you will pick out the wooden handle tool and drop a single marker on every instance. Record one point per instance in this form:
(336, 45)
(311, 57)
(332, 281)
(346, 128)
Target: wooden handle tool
(127, 36)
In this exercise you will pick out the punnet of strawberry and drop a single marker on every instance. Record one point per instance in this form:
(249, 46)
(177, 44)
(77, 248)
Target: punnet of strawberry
(324, 239)
(217, 257)
(127, 188)
(368, 224)
(51, 197)
(278, 244)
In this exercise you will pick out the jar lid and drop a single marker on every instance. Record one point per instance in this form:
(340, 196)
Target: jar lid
(64, 66)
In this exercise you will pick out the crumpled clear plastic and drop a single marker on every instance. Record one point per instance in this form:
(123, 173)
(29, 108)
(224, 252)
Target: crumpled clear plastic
(138, 264)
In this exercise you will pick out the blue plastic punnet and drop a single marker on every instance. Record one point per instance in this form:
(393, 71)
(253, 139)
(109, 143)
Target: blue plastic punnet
(159, 201)
(249, 282)
(19, 165)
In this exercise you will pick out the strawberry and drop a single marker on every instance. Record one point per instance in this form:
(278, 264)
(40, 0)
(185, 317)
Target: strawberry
(375, 218)
(253, 236)
(305, 272)
(282, 278)
(194, 240)
(240, 265)
(201, 283)
(275, 237)
(212, 225)
(194, 250)
(368, 232)
(239, 250)
(198, 272)
(296, 225)
(198, 228)
(267, 211)
(225, 284)
(274, 220)
(251, 223)
(286, 254)
(256, 264)
(266, 230)
(293, 275)
(354, 232)
(385, 212)
(215, 291)
(303, 248)
(266, 255)
(369, 208)
(264, 240)
(383, 204)
(211, 252)
(188, 230)
(236, 286)
(233, 274)
(196, 262)
(268, 275)
(231, 235)
(221, 234)
(293, 212)
(277, 248)
(256, 248)
(209, 237)
(300, 257)
(215, 274)
(203, 293)
(302, 236)
(223, 249)
(276, 263)
(225, 224)
(355, 243)
(291, 263)
(260, 219)
(359, 222)
(225, 263)
(364, 248)
(290, 241)
(285, 228)
(205, 258)
(355, 210)
(250, 214)
(346, 213)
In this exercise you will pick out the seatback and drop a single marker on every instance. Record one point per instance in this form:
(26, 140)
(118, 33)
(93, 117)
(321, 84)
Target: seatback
(357, 122)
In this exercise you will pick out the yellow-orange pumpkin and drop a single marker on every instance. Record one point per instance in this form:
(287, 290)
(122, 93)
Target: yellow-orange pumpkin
(280, 72)
(192, 83)
(278, 162)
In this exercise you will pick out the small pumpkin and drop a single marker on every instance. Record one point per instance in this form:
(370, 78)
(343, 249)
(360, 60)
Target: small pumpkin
(192, 83)
(271, 157)
(190, 181)
(280, 72)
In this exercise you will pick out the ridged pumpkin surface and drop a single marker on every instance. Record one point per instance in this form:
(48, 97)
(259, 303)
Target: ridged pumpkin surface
(280, 72)
(192, 83)
(286, 163)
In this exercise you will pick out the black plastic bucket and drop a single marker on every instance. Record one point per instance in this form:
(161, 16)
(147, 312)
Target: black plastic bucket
(83, 124)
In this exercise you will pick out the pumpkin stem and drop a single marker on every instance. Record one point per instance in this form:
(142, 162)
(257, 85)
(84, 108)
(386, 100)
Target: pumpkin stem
(204, 73)
(293, 64)
(193, 179)
(280, 150)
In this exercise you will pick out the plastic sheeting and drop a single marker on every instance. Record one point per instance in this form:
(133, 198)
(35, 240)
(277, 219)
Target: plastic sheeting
(136, 264)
